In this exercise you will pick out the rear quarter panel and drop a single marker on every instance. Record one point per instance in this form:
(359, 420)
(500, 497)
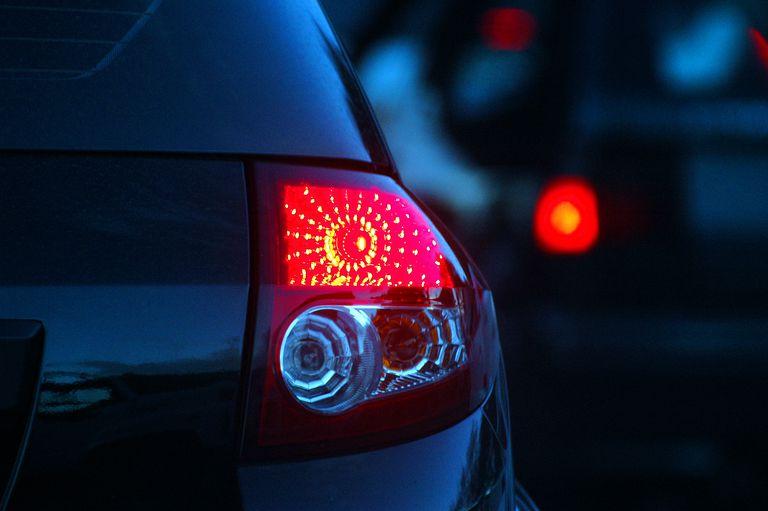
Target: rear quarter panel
(138, 268)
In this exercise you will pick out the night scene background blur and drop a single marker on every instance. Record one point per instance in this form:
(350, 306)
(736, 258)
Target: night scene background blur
(608, 162)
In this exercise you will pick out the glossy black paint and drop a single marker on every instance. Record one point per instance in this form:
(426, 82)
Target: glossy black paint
(231, 76)
(138, 268)
(139, 263)
(467, 466)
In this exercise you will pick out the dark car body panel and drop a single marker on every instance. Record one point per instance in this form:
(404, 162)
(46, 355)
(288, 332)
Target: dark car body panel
(461, 468)
(139, 270)
(127, 230)
(231, 76)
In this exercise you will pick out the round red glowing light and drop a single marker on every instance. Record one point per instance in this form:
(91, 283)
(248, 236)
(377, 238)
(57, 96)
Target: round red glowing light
(566, 219)
(509, 29)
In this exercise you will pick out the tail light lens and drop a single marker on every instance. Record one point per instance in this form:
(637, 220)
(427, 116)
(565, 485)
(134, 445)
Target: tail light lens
(370, 328)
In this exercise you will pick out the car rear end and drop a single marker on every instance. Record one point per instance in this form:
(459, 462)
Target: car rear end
(214, 290)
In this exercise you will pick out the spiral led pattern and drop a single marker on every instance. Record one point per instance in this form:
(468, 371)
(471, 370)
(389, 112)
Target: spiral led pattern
(358, 237)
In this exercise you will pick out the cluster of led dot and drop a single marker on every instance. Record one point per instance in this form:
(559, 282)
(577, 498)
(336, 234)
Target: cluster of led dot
(357, 237)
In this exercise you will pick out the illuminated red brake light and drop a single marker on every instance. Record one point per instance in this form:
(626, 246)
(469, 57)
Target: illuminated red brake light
(370, 327)
(358, 237)
(566, 217)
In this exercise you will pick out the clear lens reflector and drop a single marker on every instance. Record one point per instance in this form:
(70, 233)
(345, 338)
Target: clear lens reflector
(329, 359)
(333, 358)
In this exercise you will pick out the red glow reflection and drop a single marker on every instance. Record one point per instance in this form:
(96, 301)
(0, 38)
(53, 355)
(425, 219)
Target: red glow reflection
(508, 29)
(566, 220)
(761, 46)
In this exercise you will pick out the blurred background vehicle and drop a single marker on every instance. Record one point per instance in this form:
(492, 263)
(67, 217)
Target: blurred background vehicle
(609, 160)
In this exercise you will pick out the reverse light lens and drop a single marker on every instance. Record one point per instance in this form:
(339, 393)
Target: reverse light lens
(566, 217)
(334, 358)
(329, 358)
(371, 328)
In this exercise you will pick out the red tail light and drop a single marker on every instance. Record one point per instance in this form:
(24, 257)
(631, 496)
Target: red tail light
(566, 220)
(360, 237)
(370, 328)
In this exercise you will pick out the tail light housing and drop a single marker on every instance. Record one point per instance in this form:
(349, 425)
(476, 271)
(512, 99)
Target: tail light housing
(370, 327)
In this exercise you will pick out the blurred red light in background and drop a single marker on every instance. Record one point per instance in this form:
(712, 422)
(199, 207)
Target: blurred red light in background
(508, 29)
(565, 220)
(761, 46)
